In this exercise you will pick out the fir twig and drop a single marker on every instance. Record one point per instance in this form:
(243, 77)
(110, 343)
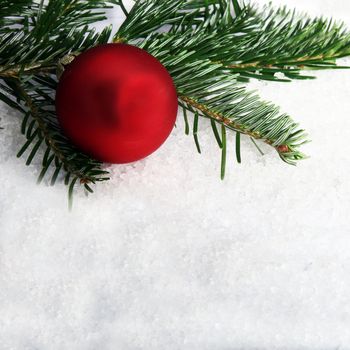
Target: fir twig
(43, 129)
(46, 135)
(210, 47)
(30, 53)
(265, 41)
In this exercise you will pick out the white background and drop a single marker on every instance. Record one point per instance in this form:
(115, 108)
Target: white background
(167, 256)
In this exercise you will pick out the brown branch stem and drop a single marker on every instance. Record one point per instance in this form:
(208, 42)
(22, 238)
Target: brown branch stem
(228, 122)
(35, 68)
(261, 65)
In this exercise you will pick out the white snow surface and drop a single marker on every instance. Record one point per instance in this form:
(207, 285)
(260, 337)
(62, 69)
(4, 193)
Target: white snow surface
(167, 256)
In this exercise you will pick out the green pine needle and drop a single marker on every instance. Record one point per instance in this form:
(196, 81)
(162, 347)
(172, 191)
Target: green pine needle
(223, 152)
(195, 131)
(238, 147)
(187, 125)
(211, 48)
(216, 132)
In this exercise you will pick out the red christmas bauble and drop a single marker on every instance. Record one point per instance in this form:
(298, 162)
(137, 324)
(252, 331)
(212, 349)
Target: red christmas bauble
(117, 103)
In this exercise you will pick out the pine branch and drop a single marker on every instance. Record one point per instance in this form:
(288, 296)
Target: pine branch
(217, 95)
(265, 42)
(287, 43)
(209, 47)
(51, 31)
(30, 55)
(35, 98)
(261, 45)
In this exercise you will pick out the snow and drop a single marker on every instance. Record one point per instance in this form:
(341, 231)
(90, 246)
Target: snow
(167, 256)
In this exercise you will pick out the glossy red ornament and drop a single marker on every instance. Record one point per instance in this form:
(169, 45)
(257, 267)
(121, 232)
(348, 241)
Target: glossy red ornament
(117, 103)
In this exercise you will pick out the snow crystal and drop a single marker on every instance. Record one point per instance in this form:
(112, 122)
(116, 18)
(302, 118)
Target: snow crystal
(167, 256)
